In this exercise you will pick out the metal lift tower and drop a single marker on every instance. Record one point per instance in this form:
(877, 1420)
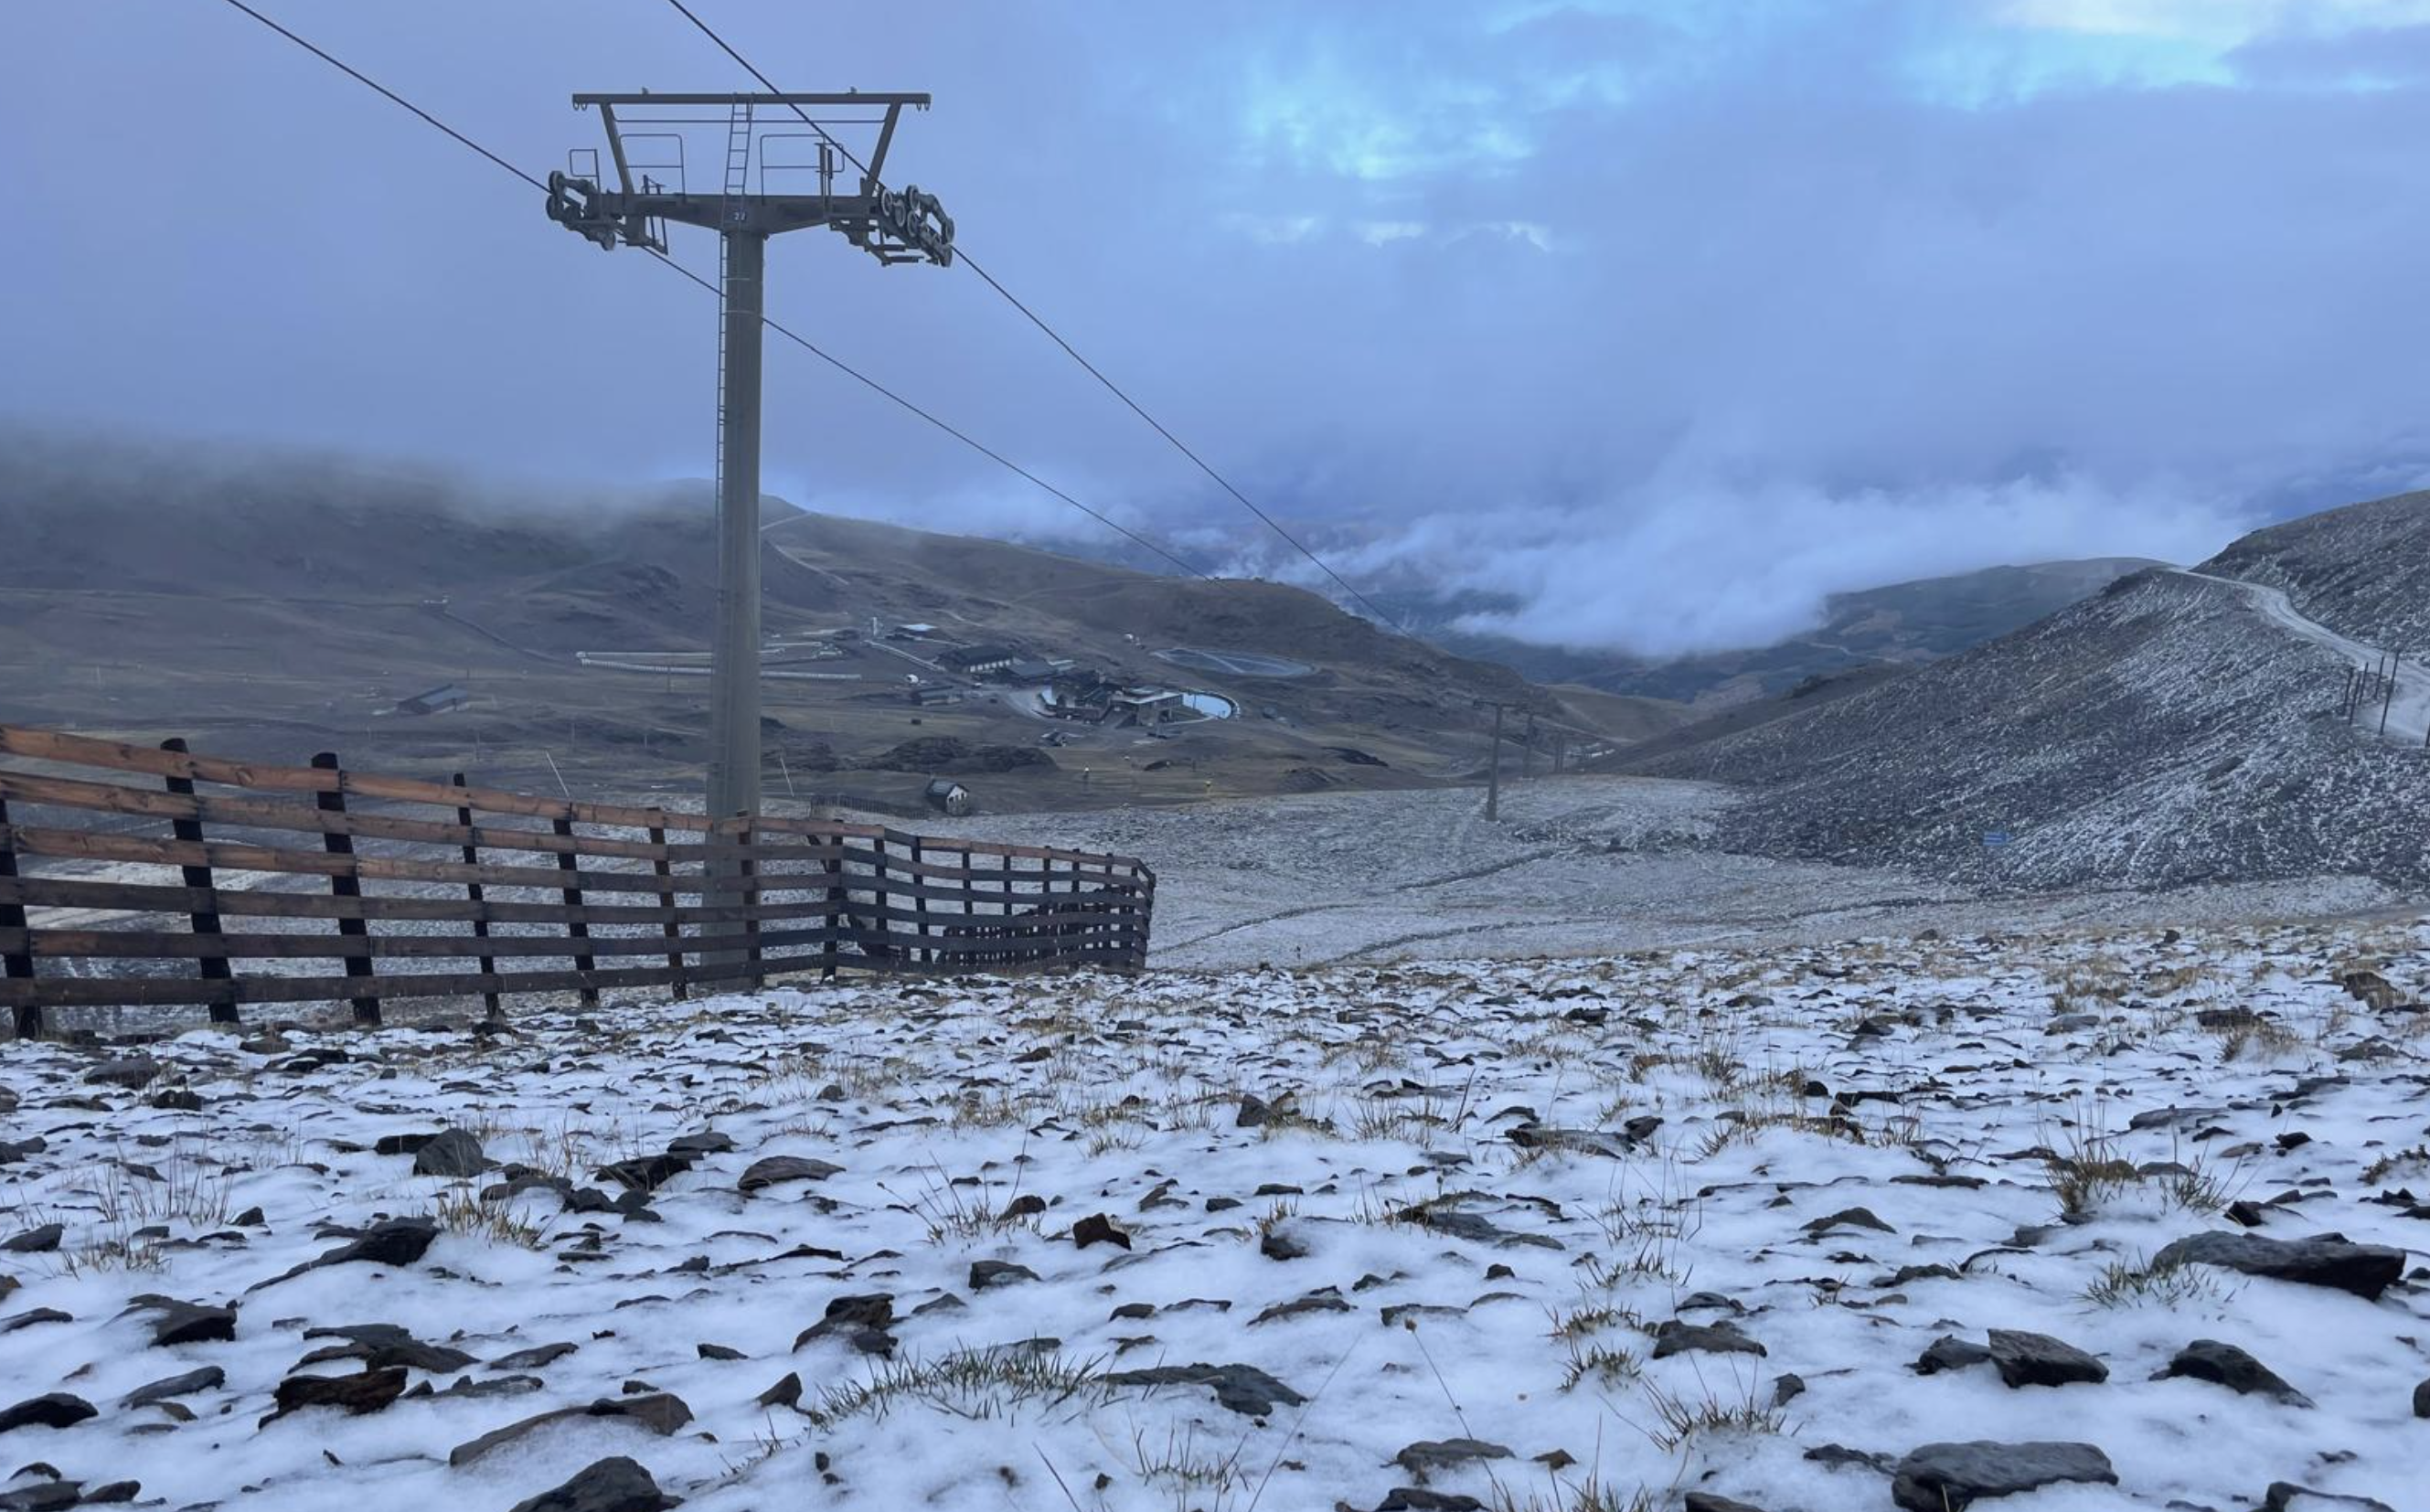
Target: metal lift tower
(645, 146)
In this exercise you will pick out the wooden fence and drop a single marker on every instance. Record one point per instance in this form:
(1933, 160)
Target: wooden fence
(398, 879)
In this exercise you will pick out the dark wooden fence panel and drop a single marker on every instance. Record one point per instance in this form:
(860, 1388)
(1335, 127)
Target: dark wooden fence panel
(404, 890)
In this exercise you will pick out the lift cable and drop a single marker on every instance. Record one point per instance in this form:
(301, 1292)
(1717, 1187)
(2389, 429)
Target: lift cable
(798, 339)
(963, 254)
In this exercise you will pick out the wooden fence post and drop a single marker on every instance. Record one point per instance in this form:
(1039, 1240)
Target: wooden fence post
(881, 896)
(16, 966)
(575, 929)
(830, 954)
(489, 1001)
(346, 885)
(205, 920)
(665, 874)
(750, 872)
(920, 901)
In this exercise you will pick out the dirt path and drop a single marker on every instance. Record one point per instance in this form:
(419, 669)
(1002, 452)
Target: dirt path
(2408, 714)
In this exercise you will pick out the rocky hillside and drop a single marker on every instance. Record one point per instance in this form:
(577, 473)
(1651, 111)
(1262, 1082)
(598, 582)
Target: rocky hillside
(2161, 732)
(2360, 570)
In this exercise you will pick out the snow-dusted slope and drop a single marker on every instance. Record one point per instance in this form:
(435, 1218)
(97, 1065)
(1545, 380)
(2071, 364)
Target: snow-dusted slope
(2361, 570)
(2403, 716)
(2175, 728)
(1453, 1236)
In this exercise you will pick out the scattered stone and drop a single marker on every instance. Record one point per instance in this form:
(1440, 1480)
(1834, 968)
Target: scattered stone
(1613, 1145)
(2208, 1359)
(381, 1345)
(785, 1393)
(1099, 1228)
(130, 1071)
(56, 1410)
(1241, 1388)
(1254, 1112)
(614, 1485)
(178, 1322)
(1706, 1501)
(2365, 1270)
(1282, 1244)
(209, 1378)
(647, 1175)
(2037, 1359)
(536, 1357)
(988, 1275)
(1327, 1299)
(1840, 1456)
(396, 1241)
(2285, 1496)
(1848, 1218)
(1947, 1478)
(450, 1152)
(2421, 1400)
(1419, 1499)
(660, 1412)
(368, 1391)
(1428, 1456)
(1678, 1338)
(32, 1315)
(860, 1321)
(775, 1170)
(40, 1240)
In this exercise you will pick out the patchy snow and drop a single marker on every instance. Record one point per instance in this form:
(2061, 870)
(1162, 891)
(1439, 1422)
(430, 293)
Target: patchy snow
(1476, 1194)
(1578, 865)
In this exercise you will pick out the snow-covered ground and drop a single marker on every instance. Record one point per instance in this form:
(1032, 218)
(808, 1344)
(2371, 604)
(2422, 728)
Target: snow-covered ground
(1563, 1236)
(1576, 866)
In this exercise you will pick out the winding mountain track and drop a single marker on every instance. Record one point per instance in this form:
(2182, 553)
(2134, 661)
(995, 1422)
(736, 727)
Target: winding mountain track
(2408, 715)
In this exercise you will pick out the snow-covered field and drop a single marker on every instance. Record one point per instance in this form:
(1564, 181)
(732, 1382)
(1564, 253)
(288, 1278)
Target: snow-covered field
(1577, 866)
(1642, 1231)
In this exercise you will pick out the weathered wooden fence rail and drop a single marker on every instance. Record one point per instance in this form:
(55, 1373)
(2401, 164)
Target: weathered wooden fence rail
(441, 889)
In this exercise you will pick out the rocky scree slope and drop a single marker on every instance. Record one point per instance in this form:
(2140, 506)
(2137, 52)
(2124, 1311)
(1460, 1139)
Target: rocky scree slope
(2162, 733)
(2360, 571)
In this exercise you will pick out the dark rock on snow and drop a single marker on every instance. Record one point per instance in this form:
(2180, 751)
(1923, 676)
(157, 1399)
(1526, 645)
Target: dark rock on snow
(617, 1485)
(209, 1378)
(39, 1240)
(2208, 1359)
(366, 1391)
(1241, 1388)
(1946, 1477)
(450, 1152)
(56, 1410)
(775, 1169)
(2365, 1270)
(660, 1412)
(1426, 1457)
(1676, 1338)
(2037, 1359)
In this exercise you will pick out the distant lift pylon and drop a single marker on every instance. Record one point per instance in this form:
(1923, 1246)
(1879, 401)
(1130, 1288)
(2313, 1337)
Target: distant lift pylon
(893, 226)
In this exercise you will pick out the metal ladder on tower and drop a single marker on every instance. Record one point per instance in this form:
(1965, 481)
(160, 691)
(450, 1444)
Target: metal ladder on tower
(738, 184)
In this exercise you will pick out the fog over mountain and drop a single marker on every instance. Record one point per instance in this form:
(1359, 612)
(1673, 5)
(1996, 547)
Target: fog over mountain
(1664, 321)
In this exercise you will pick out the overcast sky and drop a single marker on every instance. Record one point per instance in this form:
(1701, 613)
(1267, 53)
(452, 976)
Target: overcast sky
(1663, 317)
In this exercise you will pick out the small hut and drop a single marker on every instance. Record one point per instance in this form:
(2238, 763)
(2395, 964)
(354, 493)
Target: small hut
(947, 796)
